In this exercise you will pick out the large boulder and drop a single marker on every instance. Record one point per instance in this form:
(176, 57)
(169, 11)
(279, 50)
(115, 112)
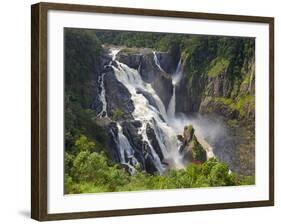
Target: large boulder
(191, 149)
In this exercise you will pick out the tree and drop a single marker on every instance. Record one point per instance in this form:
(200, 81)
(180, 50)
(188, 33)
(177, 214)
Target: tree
(83, 145)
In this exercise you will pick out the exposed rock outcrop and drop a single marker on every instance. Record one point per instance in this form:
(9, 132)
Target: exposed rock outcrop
(169, 60)
(117, 97)
(220, 93)
(217, 106)
(142, 150)
(192, 150)
(112, 144)
(152, 138)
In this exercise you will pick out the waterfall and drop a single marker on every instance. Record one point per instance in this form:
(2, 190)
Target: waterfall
(102, 98)
(172, 104)
(102, 94)
(148, 114)
(126, 151)
(113, 53)
(157, 63)
(151, 114)
(175, 80)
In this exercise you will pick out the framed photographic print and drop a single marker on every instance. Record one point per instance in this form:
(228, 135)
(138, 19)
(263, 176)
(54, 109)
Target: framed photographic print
(138, 111)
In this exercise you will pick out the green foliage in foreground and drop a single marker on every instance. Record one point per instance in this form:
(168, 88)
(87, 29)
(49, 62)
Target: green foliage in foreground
(90, 171)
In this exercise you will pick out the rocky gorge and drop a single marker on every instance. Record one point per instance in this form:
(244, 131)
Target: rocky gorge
(143, 95)
(158, 110)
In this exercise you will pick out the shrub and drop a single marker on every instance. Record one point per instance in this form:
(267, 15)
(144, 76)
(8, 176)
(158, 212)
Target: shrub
(117, 114)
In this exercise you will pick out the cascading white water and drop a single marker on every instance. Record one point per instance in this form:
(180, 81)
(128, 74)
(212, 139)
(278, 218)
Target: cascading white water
(124, 145)
(157, 63)
(113, 53)
(102, 98)
(102, 94)
(149, 115)
(126, 150)
(175, 80)
(172, 105)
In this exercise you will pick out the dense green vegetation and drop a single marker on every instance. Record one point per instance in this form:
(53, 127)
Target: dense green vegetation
(82, 49)
(218, 65)
(241, 103)
(90, 171)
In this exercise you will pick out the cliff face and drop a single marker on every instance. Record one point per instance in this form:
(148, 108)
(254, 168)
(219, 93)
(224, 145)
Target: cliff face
(223, 85)
(233, 99)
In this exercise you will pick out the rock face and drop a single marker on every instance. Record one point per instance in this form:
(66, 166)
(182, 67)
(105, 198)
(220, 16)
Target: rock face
(191, 148)
(112, 144)
(142, 151)
(190, 93)
(211, 105)
(117, 96)
(152, 138)
(103, 60)
(232, 98)
(169, 60)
